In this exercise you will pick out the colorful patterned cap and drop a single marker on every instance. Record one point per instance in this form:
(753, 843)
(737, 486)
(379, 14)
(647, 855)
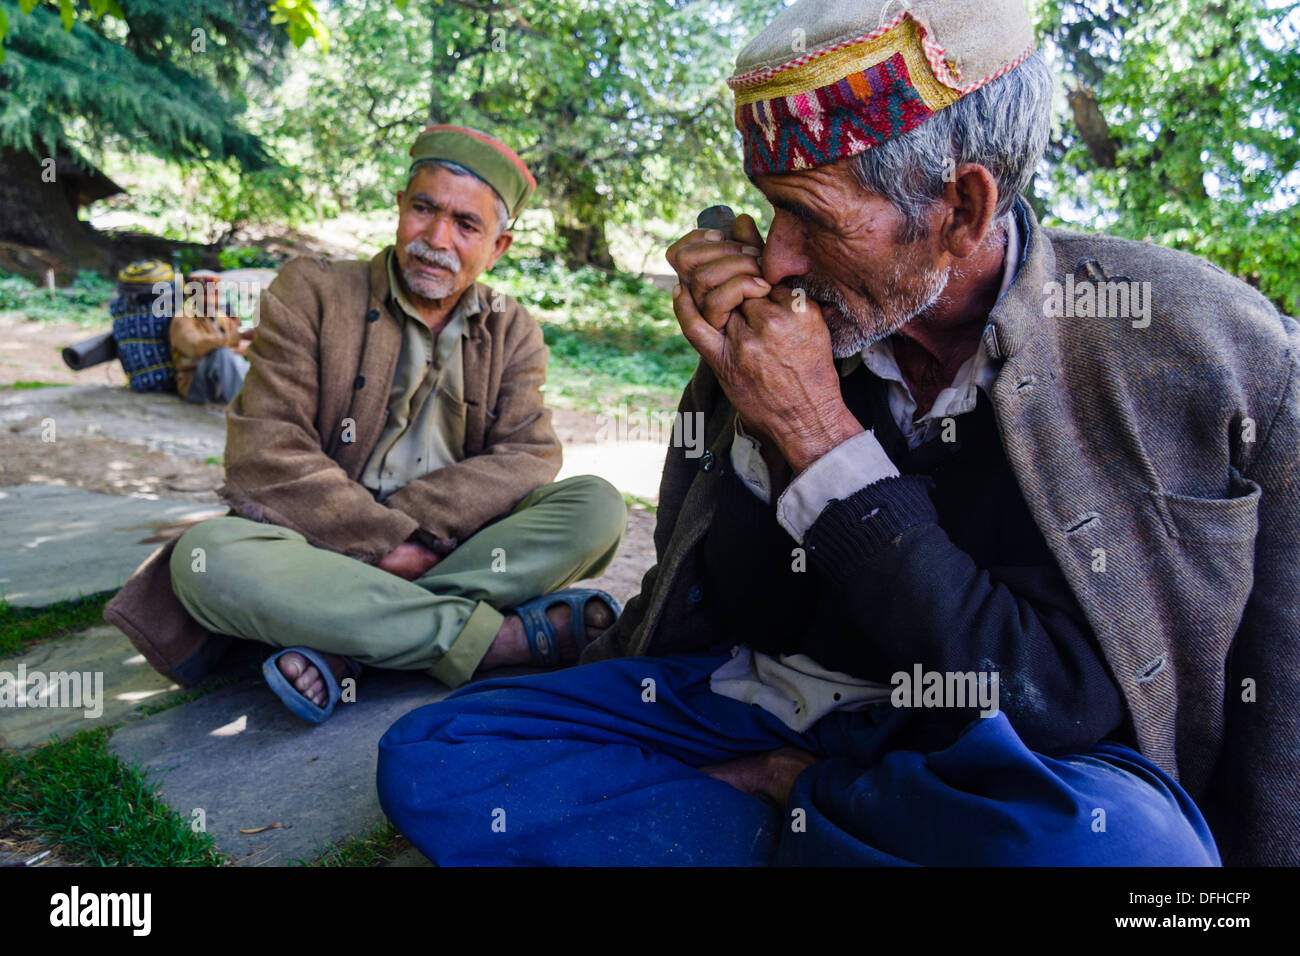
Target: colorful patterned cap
(485, 156)
(830, 79)
(146, 272)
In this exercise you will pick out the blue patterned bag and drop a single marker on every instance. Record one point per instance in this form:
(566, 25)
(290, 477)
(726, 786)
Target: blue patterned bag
(142, 325)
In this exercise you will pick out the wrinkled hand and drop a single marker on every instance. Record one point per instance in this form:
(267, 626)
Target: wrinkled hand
(408, 560)
(773, 359)
(720, 273)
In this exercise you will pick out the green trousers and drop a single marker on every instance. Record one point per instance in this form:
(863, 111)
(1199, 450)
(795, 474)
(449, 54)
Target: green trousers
(266, 583)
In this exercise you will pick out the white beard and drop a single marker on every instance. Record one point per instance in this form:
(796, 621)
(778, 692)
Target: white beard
(853, 330)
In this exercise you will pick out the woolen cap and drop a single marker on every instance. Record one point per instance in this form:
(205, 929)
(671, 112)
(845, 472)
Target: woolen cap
(485, 156)
(830, 79)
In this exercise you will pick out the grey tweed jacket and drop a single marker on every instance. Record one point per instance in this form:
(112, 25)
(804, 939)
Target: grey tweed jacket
(1174, 448)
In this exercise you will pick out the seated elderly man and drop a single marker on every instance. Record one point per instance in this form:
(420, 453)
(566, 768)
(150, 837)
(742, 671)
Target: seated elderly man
(207, 347)
(965, 576)
(388, 462)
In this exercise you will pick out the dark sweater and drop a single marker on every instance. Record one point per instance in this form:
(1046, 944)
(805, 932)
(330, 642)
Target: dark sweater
(941, 567)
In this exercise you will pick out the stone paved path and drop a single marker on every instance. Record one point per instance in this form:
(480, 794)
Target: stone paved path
(234, 753)
(59, 543)
(111, 684)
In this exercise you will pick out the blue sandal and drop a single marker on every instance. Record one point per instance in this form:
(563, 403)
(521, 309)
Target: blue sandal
(542, 640)
(294, 700)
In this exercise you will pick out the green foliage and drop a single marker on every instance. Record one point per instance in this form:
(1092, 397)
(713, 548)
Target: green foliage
(302, 21)
(247, 257)
(619, 108)
(83, 301)
(99, 810)
(612, 339)
(1192, 142)
(145, 85)
(13, 290)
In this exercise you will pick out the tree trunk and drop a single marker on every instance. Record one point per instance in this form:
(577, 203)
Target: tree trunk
(585, 245)
(43, 214)
(40, 229)
(580, 225)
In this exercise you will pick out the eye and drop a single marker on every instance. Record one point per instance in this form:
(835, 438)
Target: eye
(468, 226)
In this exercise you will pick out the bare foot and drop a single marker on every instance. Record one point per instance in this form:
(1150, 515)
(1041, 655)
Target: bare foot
(511, 646)
(768, 776)
(306, 679)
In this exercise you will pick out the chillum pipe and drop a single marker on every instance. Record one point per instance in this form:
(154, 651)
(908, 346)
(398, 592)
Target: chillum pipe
(720, 218)
(83, 355)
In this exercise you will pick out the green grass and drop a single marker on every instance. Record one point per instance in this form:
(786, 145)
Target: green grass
(212, 460)
(613, 339)
(98, 810)
(21, 625)
(379, 846)
(17, 386)
(84, 301)
(636, 501)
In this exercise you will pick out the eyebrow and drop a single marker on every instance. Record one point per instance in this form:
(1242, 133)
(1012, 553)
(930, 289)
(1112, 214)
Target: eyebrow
(798, 210)
(459, 214)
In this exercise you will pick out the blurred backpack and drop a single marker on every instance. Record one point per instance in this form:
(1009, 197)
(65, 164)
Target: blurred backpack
(142, 313)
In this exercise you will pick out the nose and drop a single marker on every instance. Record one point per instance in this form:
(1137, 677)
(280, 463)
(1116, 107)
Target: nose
(783, 250)
(439, 232)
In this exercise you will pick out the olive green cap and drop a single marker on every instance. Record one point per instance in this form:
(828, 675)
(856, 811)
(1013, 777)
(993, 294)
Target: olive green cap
(486, 157)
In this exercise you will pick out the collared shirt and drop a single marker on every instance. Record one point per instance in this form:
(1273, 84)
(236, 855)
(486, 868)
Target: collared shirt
(426, 408)
(860, 460)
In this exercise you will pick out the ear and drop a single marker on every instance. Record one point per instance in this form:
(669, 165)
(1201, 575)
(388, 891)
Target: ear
(971, 200)
(499, 248)
(401, 194)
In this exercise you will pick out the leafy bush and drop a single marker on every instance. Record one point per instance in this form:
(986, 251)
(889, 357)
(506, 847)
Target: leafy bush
(187, 260)
(612, 338)
(247, 257)
(83, 301)
(13, 289)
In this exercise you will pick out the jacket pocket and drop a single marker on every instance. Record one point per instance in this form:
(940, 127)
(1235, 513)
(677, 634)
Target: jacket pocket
(452, 423)
(1213, 520)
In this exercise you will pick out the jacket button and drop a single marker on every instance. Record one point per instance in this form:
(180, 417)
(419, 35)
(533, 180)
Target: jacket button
(360, 382)
(695, 595)
(372, 315)
(706, 462)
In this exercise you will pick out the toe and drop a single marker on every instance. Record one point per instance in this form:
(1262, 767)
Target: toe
(290, 664)
(598, 615)
(307, 679)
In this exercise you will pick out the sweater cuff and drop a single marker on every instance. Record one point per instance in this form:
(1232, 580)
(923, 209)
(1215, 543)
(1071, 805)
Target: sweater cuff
(853, 530)
(841, 471)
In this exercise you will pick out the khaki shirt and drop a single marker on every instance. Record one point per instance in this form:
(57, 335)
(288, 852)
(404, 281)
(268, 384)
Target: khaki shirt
(425, 428)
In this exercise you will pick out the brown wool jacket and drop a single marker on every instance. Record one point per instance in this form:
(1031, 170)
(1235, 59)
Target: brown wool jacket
(312, 408)
(1176, 449)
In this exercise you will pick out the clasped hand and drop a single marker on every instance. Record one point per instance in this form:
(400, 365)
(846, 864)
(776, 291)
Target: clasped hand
(768, 346)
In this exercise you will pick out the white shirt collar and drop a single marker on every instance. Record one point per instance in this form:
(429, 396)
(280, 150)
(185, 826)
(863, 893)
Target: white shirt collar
(977, 372)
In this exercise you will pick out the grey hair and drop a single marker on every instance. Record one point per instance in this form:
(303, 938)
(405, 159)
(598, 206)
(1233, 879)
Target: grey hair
(458, 170)
(1003, 126)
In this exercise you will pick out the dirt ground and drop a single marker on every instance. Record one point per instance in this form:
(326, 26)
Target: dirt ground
(30, 352)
